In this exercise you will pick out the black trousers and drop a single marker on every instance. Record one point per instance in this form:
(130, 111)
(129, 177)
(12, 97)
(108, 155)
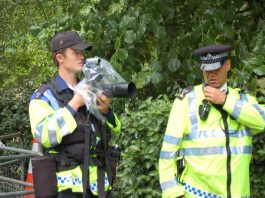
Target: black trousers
(69, 194)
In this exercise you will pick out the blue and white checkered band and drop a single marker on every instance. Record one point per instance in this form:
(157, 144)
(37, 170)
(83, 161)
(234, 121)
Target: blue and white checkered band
(209, 58)
(212, 62)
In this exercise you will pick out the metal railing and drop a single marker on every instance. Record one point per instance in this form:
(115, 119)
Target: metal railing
(12, 166)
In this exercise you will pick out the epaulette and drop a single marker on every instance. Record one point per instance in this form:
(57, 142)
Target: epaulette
(184, 92)
(40, 91)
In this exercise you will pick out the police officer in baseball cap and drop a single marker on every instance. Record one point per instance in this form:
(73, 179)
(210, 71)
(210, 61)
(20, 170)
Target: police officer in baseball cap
(69, 39)
(69, 132)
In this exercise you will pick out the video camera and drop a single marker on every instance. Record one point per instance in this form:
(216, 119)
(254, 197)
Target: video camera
(100, 74)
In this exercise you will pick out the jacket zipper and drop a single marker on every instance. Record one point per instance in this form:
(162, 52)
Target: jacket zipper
(228, 150)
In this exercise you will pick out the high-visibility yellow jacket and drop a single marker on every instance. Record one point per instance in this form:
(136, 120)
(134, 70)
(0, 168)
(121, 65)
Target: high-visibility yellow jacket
(50, 123)
(216, 153)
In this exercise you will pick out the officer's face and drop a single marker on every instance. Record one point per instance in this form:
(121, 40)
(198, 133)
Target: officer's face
(71, 60)
(217, 78)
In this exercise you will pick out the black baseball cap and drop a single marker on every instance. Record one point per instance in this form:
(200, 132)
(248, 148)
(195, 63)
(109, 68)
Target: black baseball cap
(69, 39)
(212, 55)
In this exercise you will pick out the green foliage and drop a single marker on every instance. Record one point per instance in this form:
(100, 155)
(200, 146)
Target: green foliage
(144, 123)
(257, 166)
(148, 41)
(14, 113)
(135, 35)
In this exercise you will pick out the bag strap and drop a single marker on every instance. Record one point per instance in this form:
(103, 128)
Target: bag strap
(106, 165)
(101, 182)
(85, 167)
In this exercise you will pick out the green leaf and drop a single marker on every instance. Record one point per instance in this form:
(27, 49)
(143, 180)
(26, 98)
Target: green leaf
(35, 30)
(160, 32)
(77, 26)
(260, 70)
(156, 78)
(86, 26)
(127, 21)
(155, 66)
(141, 29)
(173, 64)
(122, 54)
(117, 43)
(129, 36)
(228, 32)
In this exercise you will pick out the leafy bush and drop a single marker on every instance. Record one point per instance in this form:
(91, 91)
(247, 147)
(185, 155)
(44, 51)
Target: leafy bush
(257, 167)
(14, 113)
(144, 124)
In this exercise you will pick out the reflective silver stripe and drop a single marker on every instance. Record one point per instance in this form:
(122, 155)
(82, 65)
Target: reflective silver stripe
(216, 133)
(237, 109)
(261, 112)
(172, 140)
(215, 150)
(54, 103)
(194, 122)
(169, 184)
(38, 131)
(52, 131)
(168, 155)
(193, 110)
(57, 118)
(64, 130)
(244, 97)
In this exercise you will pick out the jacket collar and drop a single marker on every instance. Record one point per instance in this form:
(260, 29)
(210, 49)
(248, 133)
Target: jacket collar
(62, 85)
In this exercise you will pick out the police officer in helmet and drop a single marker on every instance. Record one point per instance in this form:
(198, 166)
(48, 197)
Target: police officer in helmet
(209, 134)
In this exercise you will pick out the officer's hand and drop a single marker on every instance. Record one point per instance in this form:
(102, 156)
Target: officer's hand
(103, 103)
(77, 101)
(214, 95)
(86, 91)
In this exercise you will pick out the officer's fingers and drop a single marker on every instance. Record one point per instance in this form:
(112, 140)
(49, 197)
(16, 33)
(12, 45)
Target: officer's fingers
(77, 101)
(209, 89)
(103, 100)
(99, 101)
(103, 104)
(209, 96)
(211, 92)
(207, 92)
